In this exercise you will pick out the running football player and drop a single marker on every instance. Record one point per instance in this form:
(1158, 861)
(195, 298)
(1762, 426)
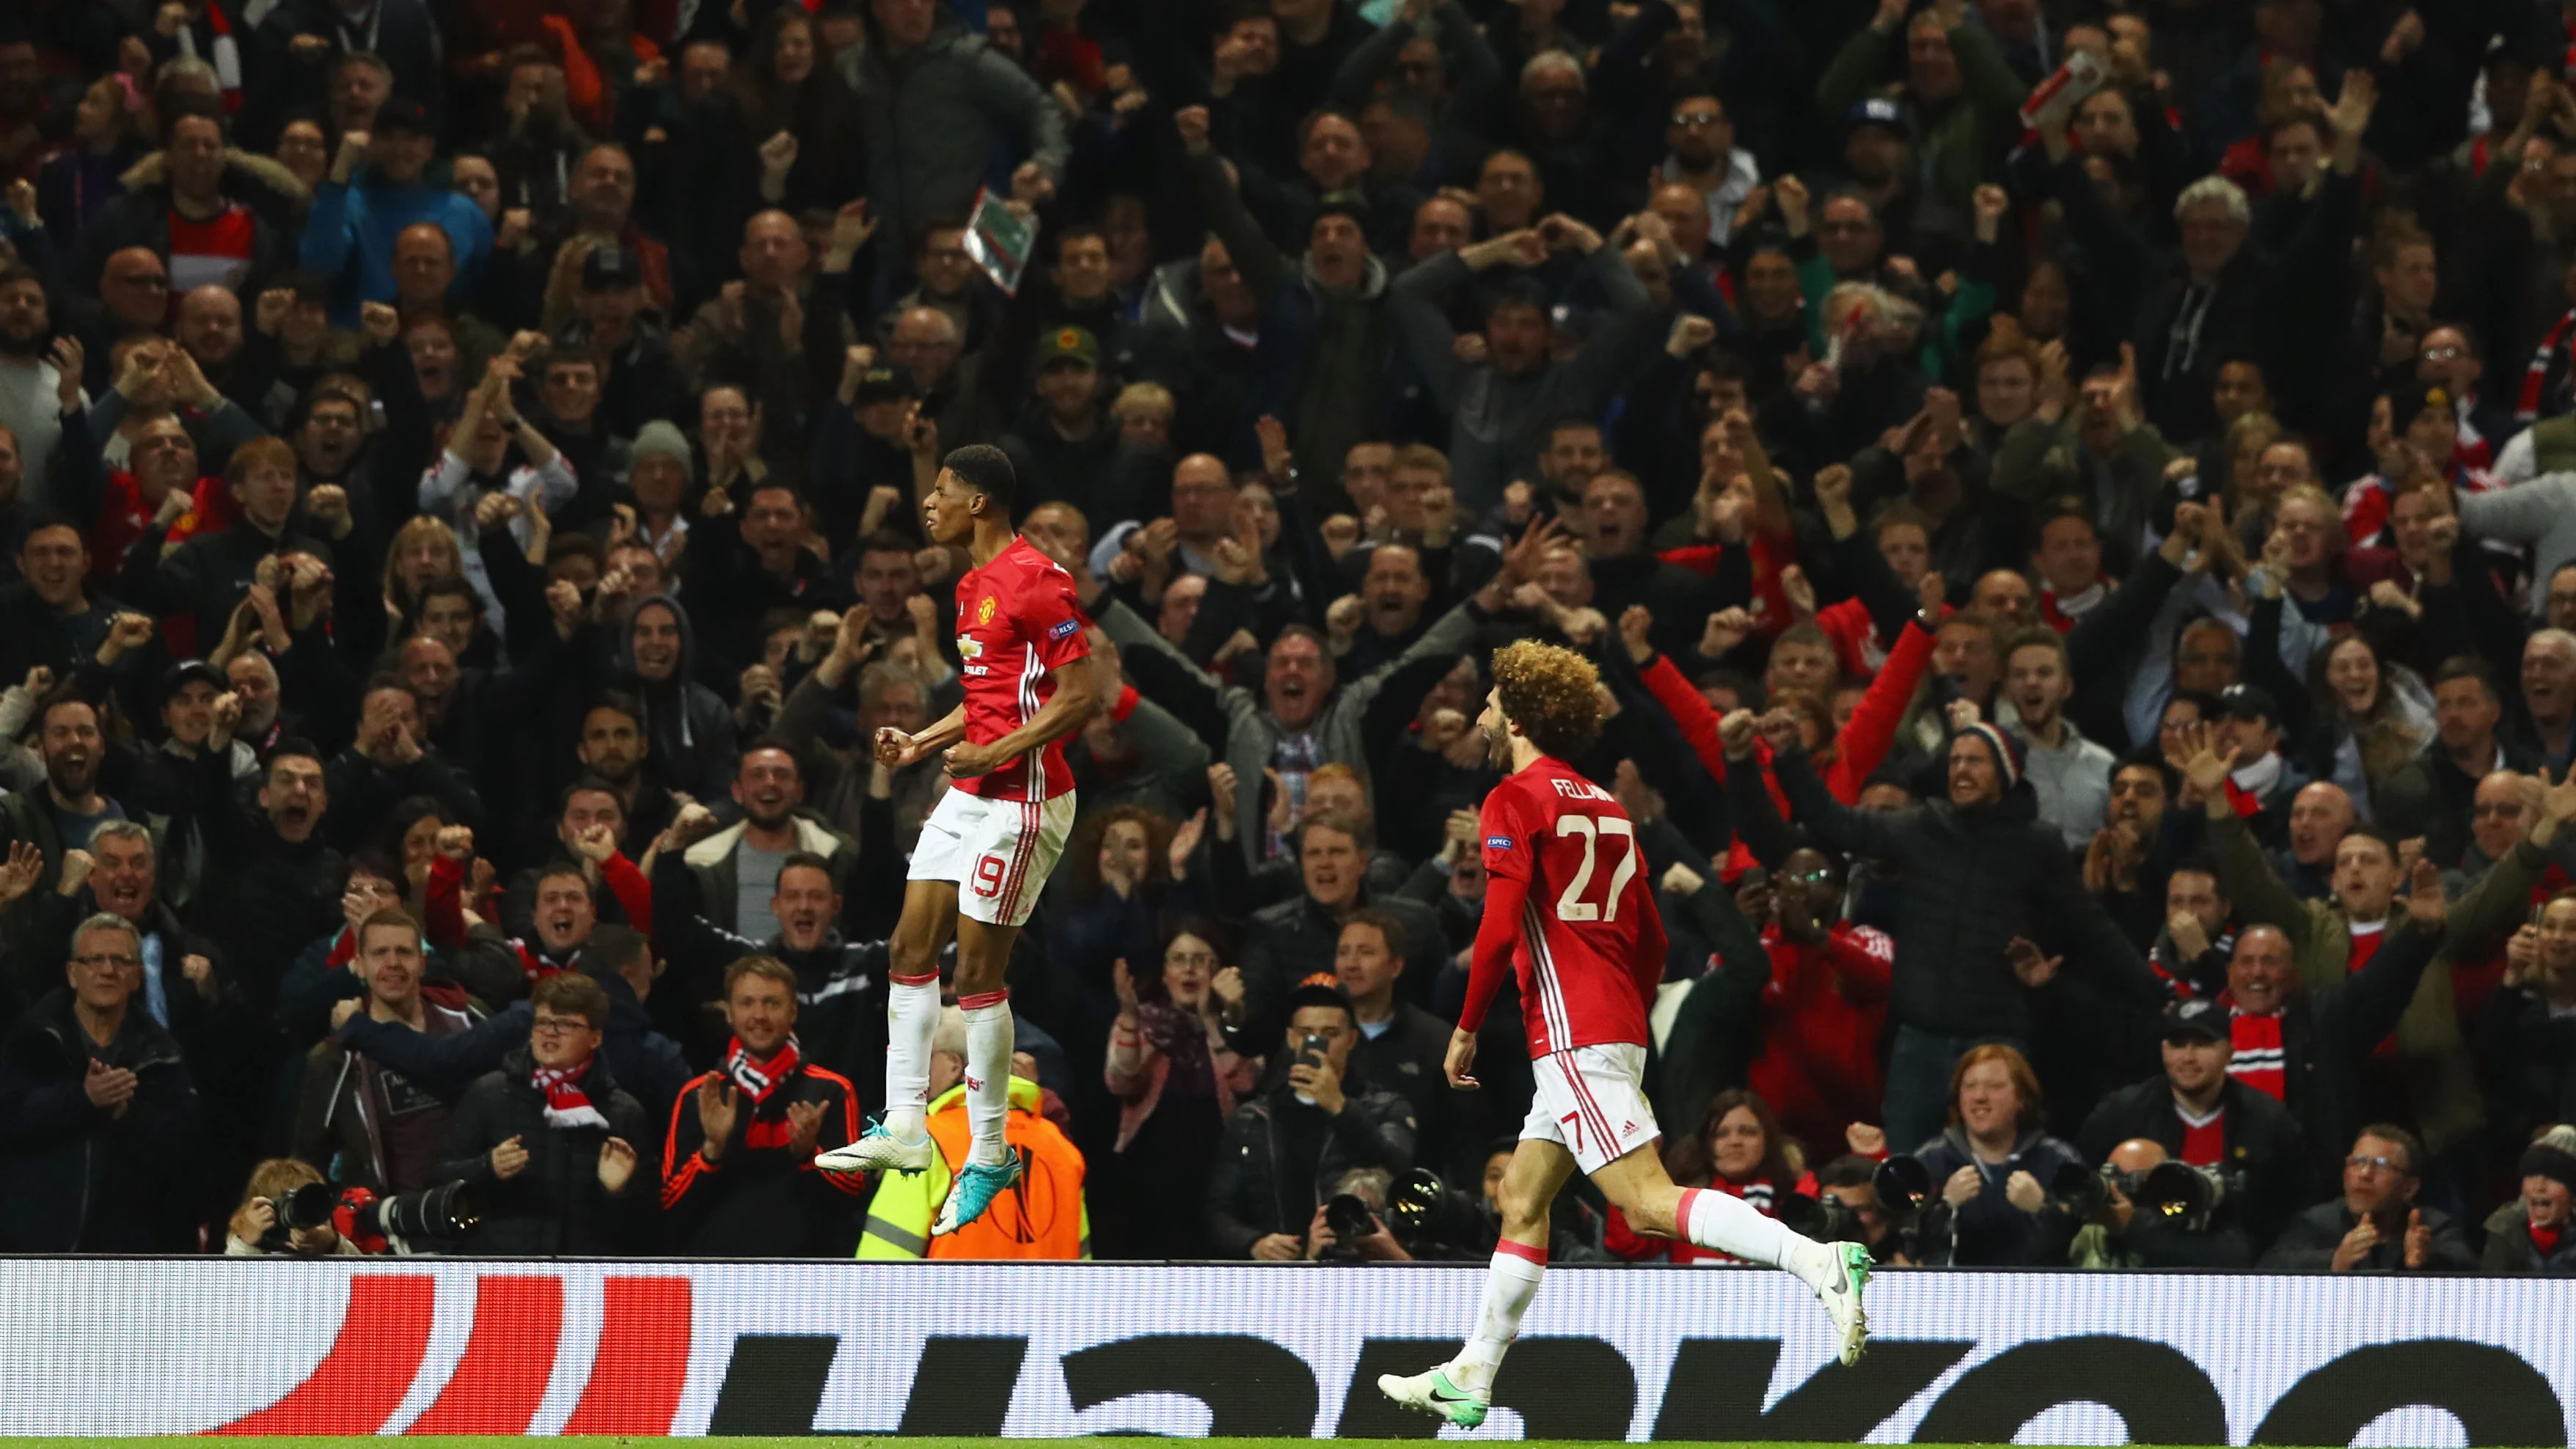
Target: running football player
(1569, 904)
(986, 849)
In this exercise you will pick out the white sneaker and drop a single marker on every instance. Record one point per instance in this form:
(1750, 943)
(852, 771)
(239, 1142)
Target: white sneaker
(1840, 1291)
(1437, 1394)
(878, 1150)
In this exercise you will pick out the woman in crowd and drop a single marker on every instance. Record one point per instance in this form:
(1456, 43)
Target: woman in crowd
(1739, 1150)
(1176, 1081)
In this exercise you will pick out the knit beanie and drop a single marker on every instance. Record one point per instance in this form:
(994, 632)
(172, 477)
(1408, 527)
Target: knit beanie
(2008, 750)
(661, 438)
(2552, 1156)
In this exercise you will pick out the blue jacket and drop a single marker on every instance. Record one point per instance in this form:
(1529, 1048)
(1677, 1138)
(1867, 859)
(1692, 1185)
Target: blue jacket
(349, 237)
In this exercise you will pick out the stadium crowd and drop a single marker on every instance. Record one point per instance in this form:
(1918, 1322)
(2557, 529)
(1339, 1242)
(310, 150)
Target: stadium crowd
(2074, 504)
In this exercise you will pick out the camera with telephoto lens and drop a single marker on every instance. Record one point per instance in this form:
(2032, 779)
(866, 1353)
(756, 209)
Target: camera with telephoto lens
(430, 1214)
(1349, 1219)
(2188, 1196)
(2083, 1190)
(1904, 1187)
(1433, 1220)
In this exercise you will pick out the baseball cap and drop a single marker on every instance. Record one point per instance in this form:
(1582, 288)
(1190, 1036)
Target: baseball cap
(402, 116)
(1068, 344)
(881, 384)
(1343, 203)
(2248, 701)
(611, 266)
(1878, 111)
(2195, 1021)
(180, 675)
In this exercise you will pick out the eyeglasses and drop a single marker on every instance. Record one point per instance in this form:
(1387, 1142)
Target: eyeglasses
(2375, 1164)
(1809, 877)
(1698, 118)
(552, 1025)
(2444, 354)
(96, 959)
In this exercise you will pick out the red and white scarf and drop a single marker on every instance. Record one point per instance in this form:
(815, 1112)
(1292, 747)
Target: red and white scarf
(566, 1104)
(2545, 361)
(2260, 1061)
(760, 1078)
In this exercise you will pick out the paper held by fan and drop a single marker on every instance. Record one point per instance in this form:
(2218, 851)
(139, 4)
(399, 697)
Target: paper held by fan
(1000, 240)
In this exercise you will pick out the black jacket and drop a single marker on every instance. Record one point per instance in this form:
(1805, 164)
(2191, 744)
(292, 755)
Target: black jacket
(555, 1205)
(840, 987)
(1974, 879)
(1255, 1193)
(1409, 1059)
(2308, 1244)
(73, 1177)
(753, 1201)
(208, 576)
(1297, 938)
(2262, 1157)
(450, 1064)
(2528, 1058)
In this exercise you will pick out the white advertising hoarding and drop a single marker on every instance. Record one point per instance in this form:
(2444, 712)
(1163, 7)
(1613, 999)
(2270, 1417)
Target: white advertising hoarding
(100, 1346)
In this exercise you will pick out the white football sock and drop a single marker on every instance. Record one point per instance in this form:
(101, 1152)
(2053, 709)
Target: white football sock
(1728, 1223)
(912, 1016)
(1510, 1283)
(989, 1036)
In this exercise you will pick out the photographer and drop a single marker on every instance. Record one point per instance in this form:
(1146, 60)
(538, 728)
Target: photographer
(2377, 1226)
(1285, 1147)
(2200, 1114)
(2115, 1235)
(1350, 1226)
(1846, 1184)
(256, 1232)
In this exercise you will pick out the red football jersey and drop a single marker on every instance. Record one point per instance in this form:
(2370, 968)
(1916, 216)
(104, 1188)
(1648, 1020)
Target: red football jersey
(1017, 623)
(1570, 903)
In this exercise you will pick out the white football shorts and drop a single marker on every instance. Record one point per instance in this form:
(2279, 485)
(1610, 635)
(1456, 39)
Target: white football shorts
(1592, 1102)
(996, 852)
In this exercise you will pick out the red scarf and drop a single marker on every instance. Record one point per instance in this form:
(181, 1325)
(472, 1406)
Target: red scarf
(759, 1078)
(2259, 1062)
(566, 1104)
(2545, 1239)
(2544, 361)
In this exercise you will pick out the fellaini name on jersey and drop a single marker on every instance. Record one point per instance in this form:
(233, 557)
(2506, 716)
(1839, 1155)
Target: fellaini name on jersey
(1579, 789)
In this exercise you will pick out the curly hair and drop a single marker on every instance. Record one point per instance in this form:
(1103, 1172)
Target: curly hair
(1552, 694)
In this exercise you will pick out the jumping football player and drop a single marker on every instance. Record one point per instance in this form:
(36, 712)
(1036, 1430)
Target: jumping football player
(986, 849)
(1569, 902)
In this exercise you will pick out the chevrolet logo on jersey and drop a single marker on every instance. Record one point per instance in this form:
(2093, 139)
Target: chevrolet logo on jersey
(984, 610)
(968, 646)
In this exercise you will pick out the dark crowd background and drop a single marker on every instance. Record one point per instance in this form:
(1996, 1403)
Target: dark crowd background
(2071, 503)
